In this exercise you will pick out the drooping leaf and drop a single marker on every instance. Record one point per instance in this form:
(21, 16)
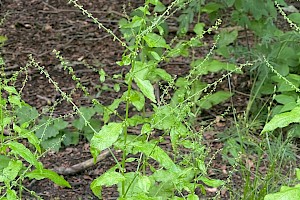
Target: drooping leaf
(25, 153)
(49, 174)
(146, 88)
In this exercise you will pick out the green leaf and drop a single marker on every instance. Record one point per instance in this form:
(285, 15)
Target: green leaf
(4, 160)
(198, 29)
(25, 153)
(295, 17)
(45, 173)
(155, 55)
(214, 99)
(211, 7)
(284, 99)
(109, 178)
(297, 173)
(70, 138)
(3, 38)
(146, 88)
(106, 136)
(155, 152)
(53, 143)
(154, 40)
(46, 129)
(286, 193)
(227, 38)
(86, 114)
(26, 114)
(283, 120)
(211, 182)
(15, 100)
(11, 90)
(10, 172)
(32, 138)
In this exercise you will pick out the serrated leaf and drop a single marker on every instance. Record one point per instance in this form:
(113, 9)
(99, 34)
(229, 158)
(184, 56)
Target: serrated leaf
(45, 130)
(154, 40)
(86, 114)
(53, 143)
(283, 120)
(26, 114)
(146, 88)
(25, 153)
(60, 124)
(49, 174)
(106, 136)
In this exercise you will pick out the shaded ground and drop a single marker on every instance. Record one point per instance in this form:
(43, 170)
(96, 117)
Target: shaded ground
(37, 27)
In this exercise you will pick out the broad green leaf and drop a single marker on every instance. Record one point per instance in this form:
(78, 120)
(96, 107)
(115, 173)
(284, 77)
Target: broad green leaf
(155, 152)
(15, 100)
(10, 172)
(227, 38)
(70, 138)
(4, 160)
(32, 138)
(154, 40)
(107, 136)
(86, 114)
(295, 17)
(26, 114)
(25, 153)
(283, 120)
(214, 99)
(211, 182)
(155, 55)
(211, 7)
(46, 129)
(285, 193)
(146, 88)
(11, 90)
(53, 143)
(192, 197)
(60, 124)
(284, 99)
(109, 178)
(11, 195)
(45, 173)
(136, 98)
(198, 29)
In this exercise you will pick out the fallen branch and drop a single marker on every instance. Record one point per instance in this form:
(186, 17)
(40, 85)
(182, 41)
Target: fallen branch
(81, 166)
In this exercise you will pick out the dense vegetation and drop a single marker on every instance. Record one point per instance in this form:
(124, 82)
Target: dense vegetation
(168, 104)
